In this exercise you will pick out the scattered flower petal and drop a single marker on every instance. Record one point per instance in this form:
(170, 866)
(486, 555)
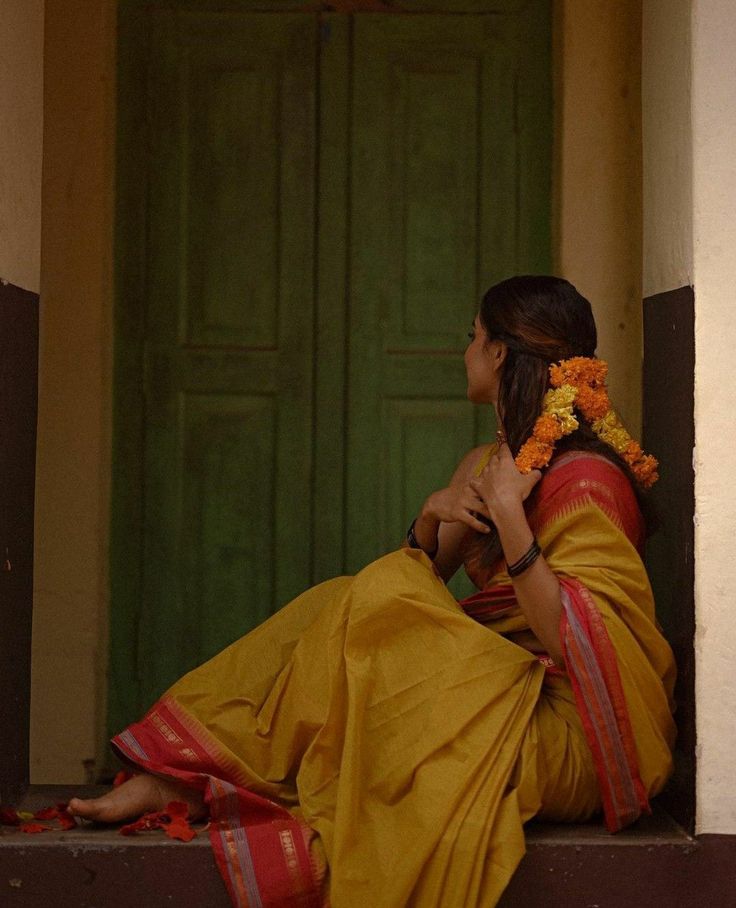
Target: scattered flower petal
(48, 813)
(180, 829)
(33, 828)
(66, 820)
(176, 809)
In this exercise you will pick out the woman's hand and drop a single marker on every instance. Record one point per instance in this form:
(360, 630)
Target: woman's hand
(501, 487)
(457, 503)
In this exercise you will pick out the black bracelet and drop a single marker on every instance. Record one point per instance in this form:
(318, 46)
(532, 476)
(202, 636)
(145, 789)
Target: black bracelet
(526, 560)
(413, 542)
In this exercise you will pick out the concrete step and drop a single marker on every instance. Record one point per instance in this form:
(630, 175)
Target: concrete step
(651, 864)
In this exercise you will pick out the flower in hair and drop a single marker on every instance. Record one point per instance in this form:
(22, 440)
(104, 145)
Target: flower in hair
(579, 384)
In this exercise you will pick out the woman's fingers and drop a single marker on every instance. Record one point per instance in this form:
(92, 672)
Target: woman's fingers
(532, 478)
(473, 522)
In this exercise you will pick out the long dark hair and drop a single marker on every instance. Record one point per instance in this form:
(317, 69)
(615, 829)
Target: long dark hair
(541, 320)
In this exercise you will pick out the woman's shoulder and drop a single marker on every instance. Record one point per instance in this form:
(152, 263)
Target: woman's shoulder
(577, 476)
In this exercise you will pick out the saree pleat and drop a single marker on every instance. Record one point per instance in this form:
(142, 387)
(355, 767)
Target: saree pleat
(373, 744)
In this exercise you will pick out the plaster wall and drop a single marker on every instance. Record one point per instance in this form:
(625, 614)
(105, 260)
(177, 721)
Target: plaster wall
(714, 266)
(598, 183)
(667, 152)
(598, 233)
(73, 456)
(21, 134)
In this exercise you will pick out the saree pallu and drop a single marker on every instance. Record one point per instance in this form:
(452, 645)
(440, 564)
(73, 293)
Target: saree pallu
(374, 744)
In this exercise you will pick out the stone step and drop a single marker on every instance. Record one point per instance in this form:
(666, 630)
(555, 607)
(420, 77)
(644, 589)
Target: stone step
(566, 866)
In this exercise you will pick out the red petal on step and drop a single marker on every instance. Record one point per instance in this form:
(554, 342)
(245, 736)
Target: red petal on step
(33, 828)
(47, 813)
(180, 829)
(132, 828)
(143, 824)
(66, 820)
(176, 809)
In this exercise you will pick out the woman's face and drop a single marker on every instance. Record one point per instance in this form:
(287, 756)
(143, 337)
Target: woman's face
(483, 361)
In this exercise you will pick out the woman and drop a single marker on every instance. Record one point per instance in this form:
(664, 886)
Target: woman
(376, 727)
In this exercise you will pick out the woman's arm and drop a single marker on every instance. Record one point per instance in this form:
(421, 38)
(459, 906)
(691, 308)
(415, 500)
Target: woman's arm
(448, 513)
(504, 490)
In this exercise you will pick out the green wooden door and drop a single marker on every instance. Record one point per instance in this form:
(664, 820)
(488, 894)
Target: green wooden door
(309, 207)
(433, 222)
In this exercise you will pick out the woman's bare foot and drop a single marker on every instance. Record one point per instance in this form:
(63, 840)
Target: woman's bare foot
(141, 793)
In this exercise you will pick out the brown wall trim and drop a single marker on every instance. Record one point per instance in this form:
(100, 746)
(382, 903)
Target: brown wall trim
(669, 433)
(18, 406)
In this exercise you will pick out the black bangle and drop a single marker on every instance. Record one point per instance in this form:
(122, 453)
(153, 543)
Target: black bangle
(526, 560)
(413, 542)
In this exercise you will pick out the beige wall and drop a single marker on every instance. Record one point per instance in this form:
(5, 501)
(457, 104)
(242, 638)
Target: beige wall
(21, 125)
(690, 238)
(598, 235)
(599, 179)
(666, 129)
(714, 266)
(70, 604)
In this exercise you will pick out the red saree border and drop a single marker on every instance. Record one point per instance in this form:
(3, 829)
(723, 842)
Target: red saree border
(592, 667)
(262, 851)
(578, 478)
(487, 605)
(590, 659)
(574, 481)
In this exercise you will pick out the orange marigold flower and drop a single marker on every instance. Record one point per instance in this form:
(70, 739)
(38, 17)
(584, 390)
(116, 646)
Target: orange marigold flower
(593, 403)
(534, 455)
(631, 453)
(646, 470)
(547, 429)
(579, 370)
(556, 376)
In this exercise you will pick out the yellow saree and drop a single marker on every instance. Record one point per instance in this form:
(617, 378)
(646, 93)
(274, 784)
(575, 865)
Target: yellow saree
(377, 743)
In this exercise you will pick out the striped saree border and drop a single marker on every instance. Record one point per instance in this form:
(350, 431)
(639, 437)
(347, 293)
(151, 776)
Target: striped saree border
(592, 667)
(590, 659)
(263, 852)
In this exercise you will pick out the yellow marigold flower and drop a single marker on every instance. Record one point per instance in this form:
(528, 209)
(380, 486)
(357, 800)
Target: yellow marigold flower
(568, 423)
(559, 403)
(618, 439)
(557, 399)
(609, 421)
(610, 430)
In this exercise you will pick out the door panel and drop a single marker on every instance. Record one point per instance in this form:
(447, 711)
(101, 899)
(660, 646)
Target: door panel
(433, 149)
(228, 348)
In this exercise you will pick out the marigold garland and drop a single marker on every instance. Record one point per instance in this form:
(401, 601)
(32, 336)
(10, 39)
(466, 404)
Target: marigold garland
(579, 384)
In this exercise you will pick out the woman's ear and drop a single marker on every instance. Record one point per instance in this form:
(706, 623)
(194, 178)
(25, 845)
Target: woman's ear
(498, 353)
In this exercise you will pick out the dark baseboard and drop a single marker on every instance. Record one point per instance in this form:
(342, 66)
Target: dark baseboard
(18, 407)
(669, 434)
